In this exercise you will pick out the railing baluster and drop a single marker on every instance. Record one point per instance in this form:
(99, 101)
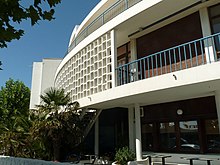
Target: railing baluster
(214, 49)
(126, 4)
(174, 55)
(165, 61)
(195, 47)
(156, 65)
(120, 75)
(184, 49)
(127, 74)
(131, 73)
(161, 65)
(144, 69)
(152, 64)
(103, 18)
(190, 54)
(148, 67)
(170, 61)
(140, 69)
(202, 50)
(208, 50)
(218, 46)
(136, 64)
(180, 58)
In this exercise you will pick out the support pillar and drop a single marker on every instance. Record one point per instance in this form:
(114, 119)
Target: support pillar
(206, 31)
(131, 128)
(113, 58)
(96, 147)
(217, 102)
(133, 47)
(138, 132)
(134, 70)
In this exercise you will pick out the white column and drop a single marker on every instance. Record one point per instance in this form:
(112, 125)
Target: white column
(138, 132)
(96, 137)
(217, 102)
(206, 31)
(133, 47)
(113, 58)
(131, 128)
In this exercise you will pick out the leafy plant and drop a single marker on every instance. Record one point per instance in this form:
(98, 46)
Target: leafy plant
(14, 114)
(124, 155)
(13, 12)
(56, 122)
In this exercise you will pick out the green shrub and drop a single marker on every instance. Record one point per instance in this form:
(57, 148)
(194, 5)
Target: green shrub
(124, 155)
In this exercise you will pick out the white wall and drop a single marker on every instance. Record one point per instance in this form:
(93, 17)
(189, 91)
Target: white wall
(42, 78)
(36, 84)
(6, 160)
(48, 73)
(189, 83)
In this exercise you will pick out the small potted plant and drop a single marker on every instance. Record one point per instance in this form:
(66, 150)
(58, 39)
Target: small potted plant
(124, 155)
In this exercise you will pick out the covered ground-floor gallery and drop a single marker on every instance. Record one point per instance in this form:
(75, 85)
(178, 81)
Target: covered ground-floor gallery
(185, 126)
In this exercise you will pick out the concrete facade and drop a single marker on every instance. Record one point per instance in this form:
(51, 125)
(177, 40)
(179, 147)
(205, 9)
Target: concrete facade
(90, 71)
(42, 78)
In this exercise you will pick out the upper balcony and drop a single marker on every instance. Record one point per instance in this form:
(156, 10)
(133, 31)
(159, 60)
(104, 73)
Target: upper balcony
(191, 54)
(111, 12)
(184, 71)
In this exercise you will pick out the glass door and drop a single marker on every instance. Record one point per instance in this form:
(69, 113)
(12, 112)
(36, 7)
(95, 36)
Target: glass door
(167, 136)
(189, 135)
(212, 135)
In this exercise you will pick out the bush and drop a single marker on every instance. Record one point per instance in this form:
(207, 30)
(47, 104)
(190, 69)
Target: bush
(124, 155)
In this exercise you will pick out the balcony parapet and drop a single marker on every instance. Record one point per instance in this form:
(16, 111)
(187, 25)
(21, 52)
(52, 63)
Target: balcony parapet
(184, 56)
(116, 9)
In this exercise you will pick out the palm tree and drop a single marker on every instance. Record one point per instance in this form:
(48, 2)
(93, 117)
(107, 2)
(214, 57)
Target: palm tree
(57, 118)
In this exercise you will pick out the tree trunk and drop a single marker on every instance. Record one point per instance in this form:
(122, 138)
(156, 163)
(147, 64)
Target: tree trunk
(56, 150)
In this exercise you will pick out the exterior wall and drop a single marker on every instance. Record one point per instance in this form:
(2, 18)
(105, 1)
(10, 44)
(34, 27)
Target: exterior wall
(42, 78)
(89, 71)
(48, 73)
(36, 84)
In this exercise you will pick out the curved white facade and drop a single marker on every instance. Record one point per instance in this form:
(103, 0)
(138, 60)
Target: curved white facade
(143, 54)
(89, 71)
(89, 68)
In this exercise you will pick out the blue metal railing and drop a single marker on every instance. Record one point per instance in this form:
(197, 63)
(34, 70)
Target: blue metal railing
(117, 8)
(187, 55)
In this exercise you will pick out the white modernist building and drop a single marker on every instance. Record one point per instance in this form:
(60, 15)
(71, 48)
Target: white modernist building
(42, 78)
(151, 70)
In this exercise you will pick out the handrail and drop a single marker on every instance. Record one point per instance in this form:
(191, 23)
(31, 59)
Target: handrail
(92, 26)
(187, 55)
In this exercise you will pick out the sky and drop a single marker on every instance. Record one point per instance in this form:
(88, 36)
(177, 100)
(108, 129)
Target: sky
(47, 39)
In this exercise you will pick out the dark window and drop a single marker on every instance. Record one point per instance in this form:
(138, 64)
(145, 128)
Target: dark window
(176, 33)
(193, 130)
(123, 54)
(214, 13)
(212, 135)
